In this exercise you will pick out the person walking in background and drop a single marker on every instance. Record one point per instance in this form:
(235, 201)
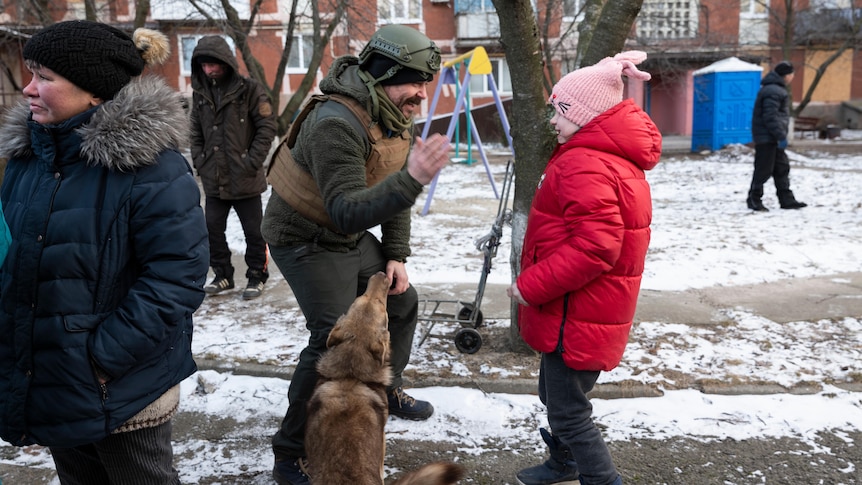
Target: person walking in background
(108, 256)
(769, 129)
(233, 125)
(352, 168)
(583, 256)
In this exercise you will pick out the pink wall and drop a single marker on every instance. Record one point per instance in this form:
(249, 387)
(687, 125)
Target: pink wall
(672, 103)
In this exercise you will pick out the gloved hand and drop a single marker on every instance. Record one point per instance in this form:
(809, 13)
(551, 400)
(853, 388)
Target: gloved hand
(782, 144)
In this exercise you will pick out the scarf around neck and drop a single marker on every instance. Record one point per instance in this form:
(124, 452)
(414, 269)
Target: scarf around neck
(390, 116)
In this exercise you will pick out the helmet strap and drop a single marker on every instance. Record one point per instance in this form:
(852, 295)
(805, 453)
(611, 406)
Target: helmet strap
(370, 82)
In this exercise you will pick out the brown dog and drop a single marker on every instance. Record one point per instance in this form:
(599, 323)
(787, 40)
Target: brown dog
(344, 435)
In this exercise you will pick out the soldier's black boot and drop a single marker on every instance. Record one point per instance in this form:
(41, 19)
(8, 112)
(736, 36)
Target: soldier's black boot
(754, 201)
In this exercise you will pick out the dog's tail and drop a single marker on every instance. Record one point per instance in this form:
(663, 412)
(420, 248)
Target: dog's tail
(440, 473)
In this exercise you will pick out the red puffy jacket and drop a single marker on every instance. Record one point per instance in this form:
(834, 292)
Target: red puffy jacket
(586, 240)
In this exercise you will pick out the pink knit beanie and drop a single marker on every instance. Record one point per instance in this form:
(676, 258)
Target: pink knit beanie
(583, 94)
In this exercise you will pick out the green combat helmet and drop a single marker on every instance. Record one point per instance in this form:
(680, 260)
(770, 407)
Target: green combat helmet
(408, 47)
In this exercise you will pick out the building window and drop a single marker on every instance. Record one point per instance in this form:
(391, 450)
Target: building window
(474, 6)
(188, 44)
(76, 9)
(399, 11)
(567, 65)
(573, 10)
(668, 20)
(752, 8)
(500, 71)
(830, 4)
(301, 51)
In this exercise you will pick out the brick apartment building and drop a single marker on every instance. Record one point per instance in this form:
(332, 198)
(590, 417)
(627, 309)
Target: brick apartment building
(680, 36)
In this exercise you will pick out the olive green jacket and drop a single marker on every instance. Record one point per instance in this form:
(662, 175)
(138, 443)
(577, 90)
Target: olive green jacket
(334, 151)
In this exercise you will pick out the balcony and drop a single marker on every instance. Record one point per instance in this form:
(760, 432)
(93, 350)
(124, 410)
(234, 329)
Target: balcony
(827, 25)
(477, 22)
(477, 27)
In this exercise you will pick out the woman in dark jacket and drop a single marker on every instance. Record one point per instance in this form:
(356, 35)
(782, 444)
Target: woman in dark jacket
(108, 257)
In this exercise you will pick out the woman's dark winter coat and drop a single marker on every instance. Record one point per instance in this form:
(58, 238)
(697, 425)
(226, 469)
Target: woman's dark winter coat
(586, 240)
(232, 127)
(771, 117)
(107, 264)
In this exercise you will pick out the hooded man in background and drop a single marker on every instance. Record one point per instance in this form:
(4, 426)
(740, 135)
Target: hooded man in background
(232, 128)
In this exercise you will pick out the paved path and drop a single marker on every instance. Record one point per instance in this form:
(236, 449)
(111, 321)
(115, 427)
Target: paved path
(782, 301)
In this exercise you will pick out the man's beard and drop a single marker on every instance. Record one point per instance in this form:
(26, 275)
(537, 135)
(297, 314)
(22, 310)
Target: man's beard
(415, 101)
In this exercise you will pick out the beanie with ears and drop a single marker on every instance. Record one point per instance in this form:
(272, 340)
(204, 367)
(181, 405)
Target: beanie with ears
(583, 94)
(96, 57)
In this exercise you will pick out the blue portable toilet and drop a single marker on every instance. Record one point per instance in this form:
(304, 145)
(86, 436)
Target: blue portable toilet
(724, 95)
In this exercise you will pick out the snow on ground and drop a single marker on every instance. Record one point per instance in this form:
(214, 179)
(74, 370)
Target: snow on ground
(703, 235)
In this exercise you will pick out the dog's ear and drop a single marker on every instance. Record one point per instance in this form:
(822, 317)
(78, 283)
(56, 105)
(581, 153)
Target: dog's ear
(338, 335)
(380, 347)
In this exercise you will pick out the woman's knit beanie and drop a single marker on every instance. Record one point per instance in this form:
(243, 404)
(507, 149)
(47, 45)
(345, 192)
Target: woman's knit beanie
(96, 57)
(583, 94)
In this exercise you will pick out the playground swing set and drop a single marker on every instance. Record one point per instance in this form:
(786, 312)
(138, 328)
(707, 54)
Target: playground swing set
(468, 315)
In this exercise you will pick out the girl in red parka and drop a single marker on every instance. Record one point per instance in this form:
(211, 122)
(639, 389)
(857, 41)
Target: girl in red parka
(583, 257)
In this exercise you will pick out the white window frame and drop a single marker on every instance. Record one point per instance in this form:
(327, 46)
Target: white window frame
(296, 50)
(502, 78)
(753, 9)
(830, 4)
(389, 11)
(576, 10)
(186, 56)
(474, 6)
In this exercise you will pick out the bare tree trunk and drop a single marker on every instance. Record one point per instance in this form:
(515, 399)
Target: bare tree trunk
(90, 11)
(603, 32)
(819, 72)
(787, 30)
(142, 9)
(532, 138)
(320, 42)
(792, 30)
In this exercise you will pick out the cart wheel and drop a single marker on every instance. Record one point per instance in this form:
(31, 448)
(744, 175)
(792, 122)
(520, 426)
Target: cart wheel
(467, 312)
(468, 340)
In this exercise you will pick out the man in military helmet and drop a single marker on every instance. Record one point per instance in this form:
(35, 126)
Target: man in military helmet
(354, 164)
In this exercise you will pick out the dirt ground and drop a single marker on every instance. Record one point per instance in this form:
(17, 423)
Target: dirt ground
(677, 461)
(834, 461)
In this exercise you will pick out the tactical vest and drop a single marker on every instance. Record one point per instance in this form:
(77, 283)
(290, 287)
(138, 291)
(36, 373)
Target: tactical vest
(297, 187)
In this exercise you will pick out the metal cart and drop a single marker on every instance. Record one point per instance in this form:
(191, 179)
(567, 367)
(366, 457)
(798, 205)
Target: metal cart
(469, 314)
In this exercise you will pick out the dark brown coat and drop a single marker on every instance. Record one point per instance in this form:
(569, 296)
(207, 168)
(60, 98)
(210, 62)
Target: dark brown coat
(232, 127)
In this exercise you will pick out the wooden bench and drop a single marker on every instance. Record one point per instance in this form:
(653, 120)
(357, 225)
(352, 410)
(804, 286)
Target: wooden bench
(803, 125)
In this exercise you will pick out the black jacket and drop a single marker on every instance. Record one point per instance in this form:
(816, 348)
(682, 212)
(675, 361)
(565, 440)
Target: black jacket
(771, 117)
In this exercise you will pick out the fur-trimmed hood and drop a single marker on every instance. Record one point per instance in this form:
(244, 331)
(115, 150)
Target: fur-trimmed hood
(145, 118)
